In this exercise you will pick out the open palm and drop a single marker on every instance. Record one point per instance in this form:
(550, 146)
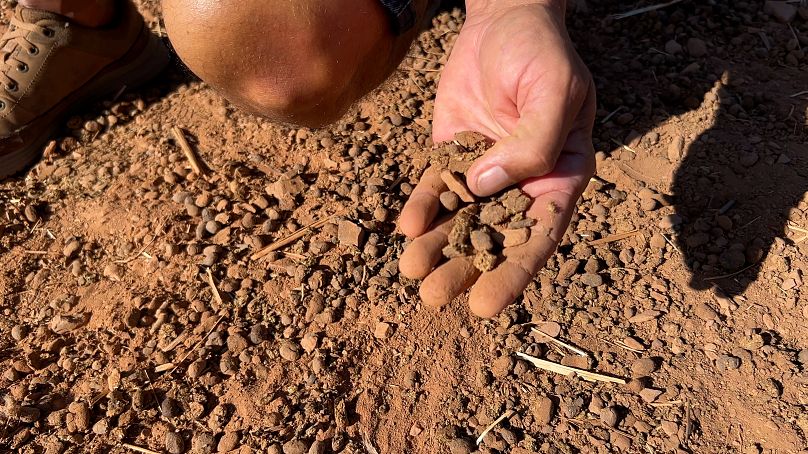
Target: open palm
(515, 77)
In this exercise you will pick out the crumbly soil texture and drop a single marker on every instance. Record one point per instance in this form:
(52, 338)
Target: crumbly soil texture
(148, 308)
(481, 227)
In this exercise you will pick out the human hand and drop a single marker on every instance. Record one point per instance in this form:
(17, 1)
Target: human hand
(515, 77)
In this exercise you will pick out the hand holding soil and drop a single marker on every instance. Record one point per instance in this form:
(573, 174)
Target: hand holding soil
(494, 245)
(538, 104)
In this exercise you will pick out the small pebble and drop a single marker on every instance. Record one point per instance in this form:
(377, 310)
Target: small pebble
(174, 443)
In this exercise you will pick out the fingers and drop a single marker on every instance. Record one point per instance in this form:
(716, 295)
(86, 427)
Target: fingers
(448, 281)
(421, 256)
(555, 196)
(533, 147)
(423, 204)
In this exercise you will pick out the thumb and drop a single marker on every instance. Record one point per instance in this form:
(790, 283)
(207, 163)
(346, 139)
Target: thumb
(531, 150)
(533, 147)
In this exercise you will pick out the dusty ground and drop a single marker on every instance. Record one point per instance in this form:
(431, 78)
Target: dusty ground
(112, 334)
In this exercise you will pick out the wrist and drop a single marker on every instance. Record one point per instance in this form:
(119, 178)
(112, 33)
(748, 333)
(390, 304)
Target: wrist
(474, 7)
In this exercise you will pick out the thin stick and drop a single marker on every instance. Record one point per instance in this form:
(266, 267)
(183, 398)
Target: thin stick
(491, 426)
(613, 238)
(566, 370)
(213, 288)
(715, 278)
(300, 233)
(644, 10)
(622, 345)
(196, 165)
(800, 93)
(139, 449)
(569, 347)
(608, 117)
(624, 146)
(163, 367)
(671, 403)
(139, 253)
(671, 243)
(195, 346)
(38, 252)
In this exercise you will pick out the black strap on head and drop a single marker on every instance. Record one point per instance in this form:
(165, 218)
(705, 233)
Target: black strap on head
(401, 13)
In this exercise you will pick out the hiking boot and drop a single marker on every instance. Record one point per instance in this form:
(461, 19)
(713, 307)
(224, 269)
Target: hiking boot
(49, 66)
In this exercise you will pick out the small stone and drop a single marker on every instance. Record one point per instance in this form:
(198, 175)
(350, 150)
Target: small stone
(203, 442)
(542, 409)
(18, 332)
(457, 185)
(672, 47)
(502, 366)
(450, 200)
(658, 241)
(460, 446)
(30, 214)
(289, 351)
(101, 427)
(551, 329)
(592, 279)
(696, 47)
(619, 441)
(481, 240)
(81, 415)
(782, 11)
(670, 221)
(113, 271)
(383, 330)
(485, 261)
(567, 269)
(643, 367)
(748, 158)
(493, 214)
(645, 316)
(633, 343)
(650, 394)
(170, 408)
(802, 357)
(61, 324)
(213, 227)
(71, 248)
(294, 447)
(309, 342)
(228, 442)
(676, 149)
(350, 234)
(727, 362)
(174, 443)
(705, 312)
(197, 368)
(609, 416)
(515, 237)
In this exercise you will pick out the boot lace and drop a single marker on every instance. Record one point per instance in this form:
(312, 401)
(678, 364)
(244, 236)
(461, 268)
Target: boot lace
(11, 61)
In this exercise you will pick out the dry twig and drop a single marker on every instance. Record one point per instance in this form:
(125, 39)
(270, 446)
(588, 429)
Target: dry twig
(491, 426)
(569, 347)
(139, 449)
(567, 370)
(192, 157)
(213, 288)
(644, 10)
(300, 233)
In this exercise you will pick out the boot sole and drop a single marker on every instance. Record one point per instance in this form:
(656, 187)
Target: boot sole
(142, 63)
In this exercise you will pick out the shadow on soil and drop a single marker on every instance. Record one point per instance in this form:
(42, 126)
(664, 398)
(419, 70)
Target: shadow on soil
(736, 182)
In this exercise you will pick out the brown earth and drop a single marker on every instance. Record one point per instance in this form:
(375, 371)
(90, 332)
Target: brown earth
(114, 334)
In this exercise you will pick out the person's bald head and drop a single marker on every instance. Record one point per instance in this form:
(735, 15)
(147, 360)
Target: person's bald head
(297, 61)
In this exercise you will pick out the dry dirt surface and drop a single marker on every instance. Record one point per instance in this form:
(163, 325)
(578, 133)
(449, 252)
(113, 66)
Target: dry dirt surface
(141, 311)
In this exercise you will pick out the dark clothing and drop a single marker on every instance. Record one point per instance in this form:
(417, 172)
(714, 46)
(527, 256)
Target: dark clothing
(402, 14)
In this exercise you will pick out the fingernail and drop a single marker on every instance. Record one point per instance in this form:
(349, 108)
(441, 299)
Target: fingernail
(492, 180)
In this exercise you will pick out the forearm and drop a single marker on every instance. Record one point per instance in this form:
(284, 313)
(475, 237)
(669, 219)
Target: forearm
(484, 6)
